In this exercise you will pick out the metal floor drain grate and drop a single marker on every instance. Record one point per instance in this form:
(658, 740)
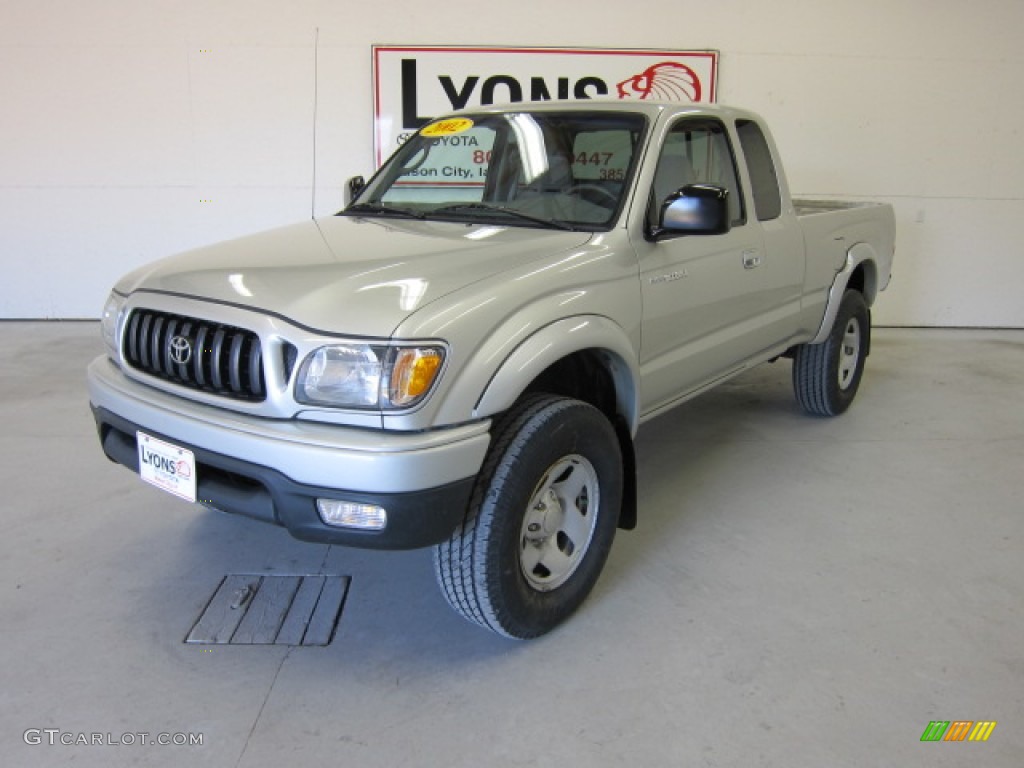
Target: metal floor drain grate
(255, 609)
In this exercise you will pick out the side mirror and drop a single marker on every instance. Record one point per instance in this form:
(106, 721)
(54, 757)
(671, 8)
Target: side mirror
(353, 187)
(696, 209)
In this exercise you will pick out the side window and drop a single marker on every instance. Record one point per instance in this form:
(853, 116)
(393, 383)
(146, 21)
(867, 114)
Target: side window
(697, 152)
(763, 179)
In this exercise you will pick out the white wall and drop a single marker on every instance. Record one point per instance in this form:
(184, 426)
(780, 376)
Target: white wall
(132, 130)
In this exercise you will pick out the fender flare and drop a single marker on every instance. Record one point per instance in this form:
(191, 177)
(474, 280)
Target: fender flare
(857, 255)
(554, 342)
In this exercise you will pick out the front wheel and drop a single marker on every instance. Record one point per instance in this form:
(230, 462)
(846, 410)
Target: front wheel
(540, 522)
(826, 376)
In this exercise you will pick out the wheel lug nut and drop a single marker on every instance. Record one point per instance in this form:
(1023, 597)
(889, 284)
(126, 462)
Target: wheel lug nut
(533, 527)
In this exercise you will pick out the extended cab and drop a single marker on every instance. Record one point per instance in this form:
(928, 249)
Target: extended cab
(462, 357)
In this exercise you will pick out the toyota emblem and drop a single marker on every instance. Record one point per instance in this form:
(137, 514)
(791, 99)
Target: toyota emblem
(181, 349)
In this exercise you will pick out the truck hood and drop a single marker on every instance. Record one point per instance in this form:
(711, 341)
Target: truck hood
(349, 275)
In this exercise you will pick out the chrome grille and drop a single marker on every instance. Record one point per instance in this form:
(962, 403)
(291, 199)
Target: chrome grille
(203, 355)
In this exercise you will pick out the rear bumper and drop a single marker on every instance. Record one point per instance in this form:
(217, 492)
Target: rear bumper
(275, 471)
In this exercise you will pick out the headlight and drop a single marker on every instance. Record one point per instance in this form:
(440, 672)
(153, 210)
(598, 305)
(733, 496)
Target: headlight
(368, 375)
(109, 323)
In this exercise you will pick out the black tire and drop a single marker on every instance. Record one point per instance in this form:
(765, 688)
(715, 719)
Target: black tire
(535, 538)
(826, 376)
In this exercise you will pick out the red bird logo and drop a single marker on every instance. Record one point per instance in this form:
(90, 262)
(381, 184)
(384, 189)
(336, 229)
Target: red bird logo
(668, 80)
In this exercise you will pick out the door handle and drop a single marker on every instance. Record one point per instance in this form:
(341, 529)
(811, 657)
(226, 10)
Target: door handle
(752, 259)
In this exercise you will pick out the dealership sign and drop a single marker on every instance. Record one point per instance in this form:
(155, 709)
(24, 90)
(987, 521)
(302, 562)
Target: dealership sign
(413, 84)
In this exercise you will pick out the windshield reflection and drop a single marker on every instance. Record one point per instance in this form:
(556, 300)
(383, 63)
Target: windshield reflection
(562, 170)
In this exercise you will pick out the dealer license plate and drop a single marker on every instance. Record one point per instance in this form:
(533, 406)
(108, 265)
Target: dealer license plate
(167, 466)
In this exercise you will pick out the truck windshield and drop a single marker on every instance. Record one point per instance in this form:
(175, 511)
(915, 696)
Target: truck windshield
(562, 170)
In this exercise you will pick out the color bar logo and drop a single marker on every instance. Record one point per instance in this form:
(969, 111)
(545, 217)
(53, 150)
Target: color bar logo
(958, 730)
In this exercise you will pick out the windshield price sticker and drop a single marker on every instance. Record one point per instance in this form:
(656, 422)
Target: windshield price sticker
(448, 127)
(168, 467)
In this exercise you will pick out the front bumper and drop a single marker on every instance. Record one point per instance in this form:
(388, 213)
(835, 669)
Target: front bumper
(274, 470)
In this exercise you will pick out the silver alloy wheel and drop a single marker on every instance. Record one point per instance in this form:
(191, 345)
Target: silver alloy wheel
(559, 523)
(849, 353)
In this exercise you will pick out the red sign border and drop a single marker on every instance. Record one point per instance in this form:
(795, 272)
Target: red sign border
(376, 50)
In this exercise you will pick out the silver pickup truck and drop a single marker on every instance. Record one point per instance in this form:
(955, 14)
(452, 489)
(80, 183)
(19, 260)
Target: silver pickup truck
(462, 357)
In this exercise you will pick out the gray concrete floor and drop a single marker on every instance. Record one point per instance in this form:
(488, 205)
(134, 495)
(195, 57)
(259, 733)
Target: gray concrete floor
(800, 592)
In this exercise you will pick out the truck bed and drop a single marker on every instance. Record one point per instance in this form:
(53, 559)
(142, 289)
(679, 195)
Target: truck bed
(832, 227)
(804, 207)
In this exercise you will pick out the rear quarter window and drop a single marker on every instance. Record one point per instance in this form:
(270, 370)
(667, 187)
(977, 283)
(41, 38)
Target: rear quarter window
(763, 177)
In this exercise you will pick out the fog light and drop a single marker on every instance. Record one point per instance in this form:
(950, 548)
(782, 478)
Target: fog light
(349, 514)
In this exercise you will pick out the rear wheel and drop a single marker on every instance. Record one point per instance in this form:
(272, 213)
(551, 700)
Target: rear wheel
(540, 522)
(826, 376)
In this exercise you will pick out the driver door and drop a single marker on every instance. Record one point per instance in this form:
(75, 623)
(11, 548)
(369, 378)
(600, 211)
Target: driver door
(700, 292)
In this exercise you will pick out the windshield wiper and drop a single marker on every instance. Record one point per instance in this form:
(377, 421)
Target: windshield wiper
(378, 208)
(550, 223)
